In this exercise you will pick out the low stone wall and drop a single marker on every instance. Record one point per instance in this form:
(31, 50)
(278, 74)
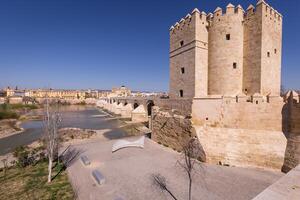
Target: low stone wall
(170, 128)
(286, 188)
(183, 106)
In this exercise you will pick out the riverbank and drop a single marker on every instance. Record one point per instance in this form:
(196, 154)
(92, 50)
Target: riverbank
(10, 127)
(80, 123)
(12, 115)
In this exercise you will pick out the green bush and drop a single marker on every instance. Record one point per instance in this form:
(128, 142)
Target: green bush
(24, 156)
(7, 107)
(81, 103)
(21, 106)
(8, 115)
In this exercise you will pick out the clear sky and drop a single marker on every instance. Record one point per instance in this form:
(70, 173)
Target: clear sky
(99, 44)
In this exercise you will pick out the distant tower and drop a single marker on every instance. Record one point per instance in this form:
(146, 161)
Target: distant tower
(262, 50)
(189, 56)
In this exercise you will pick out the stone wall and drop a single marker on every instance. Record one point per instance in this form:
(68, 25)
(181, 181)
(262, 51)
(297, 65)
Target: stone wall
(170, 128)
(292, 111)
(241, 131)
(260, 131)
(256, 113)
(182, 105)
(242, 147)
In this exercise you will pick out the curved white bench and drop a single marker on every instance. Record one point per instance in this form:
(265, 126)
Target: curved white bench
(125, 143)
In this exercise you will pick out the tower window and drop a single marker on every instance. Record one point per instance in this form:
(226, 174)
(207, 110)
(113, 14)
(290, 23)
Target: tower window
(181, 93)
(182, 70)
(227, 36)
(268, 54)
(275, 51)
(181, 43)
(234, 65)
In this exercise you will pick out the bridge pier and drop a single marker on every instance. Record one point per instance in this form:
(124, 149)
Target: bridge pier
(139, 114)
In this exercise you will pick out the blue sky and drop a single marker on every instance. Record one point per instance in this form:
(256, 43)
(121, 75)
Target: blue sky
(100, 44)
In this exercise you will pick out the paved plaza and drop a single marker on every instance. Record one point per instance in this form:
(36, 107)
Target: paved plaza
(128, 173)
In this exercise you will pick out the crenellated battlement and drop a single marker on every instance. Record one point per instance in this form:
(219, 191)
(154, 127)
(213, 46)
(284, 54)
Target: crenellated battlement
(243, 98)
(186, 21)
(230, 10)
(265, 9)
(231, 13)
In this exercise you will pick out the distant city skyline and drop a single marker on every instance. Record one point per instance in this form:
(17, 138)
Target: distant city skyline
(104, 44)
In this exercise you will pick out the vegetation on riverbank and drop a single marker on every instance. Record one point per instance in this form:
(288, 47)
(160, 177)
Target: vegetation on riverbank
(12, 111)
(31, 183)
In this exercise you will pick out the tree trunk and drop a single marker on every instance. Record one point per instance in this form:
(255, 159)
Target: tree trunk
(190, 187)
(49, 170)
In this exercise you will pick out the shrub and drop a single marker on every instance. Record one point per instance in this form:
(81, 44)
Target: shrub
(21, 106)
(81, 103)
(7, 107)
(8, 115)
(24, 156)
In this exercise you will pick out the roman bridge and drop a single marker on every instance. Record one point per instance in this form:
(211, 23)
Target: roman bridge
(140, 109)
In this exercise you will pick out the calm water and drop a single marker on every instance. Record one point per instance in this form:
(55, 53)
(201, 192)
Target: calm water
(72, 116)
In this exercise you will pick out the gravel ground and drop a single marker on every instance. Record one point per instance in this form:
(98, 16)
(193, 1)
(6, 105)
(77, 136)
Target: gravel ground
(128, 174)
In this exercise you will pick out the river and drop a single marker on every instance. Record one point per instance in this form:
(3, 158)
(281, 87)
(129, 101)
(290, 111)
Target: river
(85, 117)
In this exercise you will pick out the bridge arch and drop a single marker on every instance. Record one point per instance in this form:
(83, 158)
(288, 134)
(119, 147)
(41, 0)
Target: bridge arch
(150, 104)
(135, 105)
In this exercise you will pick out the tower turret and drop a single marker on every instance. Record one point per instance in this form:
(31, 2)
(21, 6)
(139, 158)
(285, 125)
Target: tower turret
(225, 60)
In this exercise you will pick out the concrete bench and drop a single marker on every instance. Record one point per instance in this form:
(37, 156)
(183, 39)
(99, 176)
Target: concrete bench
(99, 178)
(85, 160)
(120, 144)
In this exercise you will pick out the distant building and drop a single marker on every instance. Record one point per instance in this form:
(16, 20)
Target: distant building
(15, 100)
(120, 92)
(60, 94)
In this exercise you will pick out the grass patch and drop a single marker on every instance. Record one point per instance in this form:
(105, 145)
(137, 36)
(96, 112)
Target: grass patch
(31, 183)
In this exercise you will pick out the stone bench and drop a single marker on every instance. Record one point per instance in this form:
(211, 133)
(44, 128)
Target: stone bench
(85, 160)
(99, 178)
(120, 144)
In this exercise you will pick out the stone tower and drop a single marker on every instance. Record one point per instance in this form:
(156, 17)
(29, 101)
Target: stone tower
(262, 50)
(188, 56)
(226, 53)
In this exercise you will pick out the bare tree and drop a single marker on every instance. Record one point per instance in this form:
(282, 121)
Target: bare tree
(4, 161)
(191, 150)
(51, 124)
